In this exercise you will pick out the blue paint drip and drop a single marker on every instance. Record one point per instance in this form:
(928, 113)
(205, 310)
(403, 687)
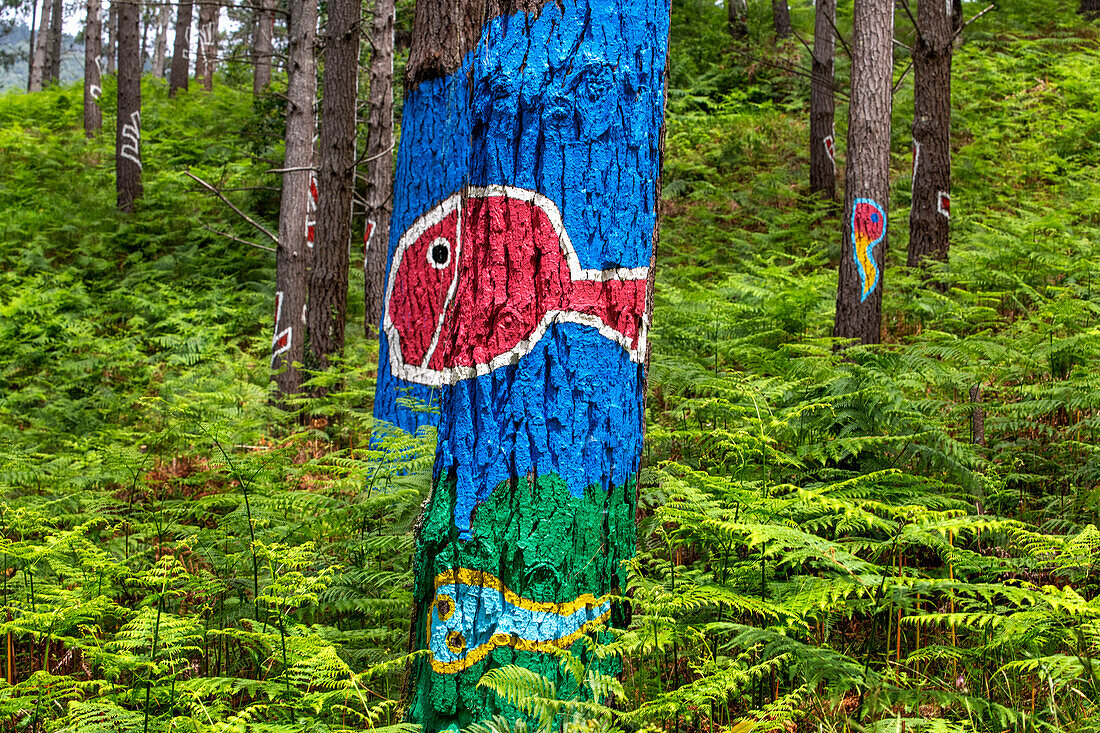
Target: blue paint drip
(568, 104)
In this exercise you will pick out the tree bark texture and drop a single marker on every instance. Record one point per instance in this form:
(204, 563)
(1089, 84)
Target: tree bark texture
(293, 255)
(517, 294)
(823, 102)
(38, 60)
(263, 45)
(112, 35)
(781, 18)
(52, 73)
(128, 130)
(737, 13)
(178, 75)
(379, 165)
(328, 275)
(929, 216)
(206, 47)
(160, 46)
(1089, 8)
(93, 88)
(867, 174)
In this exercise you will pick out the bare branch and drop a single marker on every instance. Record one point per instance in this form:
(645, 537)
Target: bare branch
(899, 43)
(963, 27)
(847, 50)
(901, 78)
(237, 239)
(916, 26)
(231, 205)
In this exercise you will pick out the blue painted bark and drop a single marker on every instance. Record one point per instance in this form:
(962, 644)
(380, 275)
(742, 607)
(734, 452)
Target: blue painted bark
(523, 227)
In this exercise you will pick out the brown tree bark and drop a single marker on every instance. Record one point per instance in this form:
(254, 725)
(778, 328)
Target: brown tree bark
(1089, 8)
(823, 103)
(929, 216)
(52, 73)
(328, 275)
(262, 49)
(293, 256)
(160, 46)
(781, 18)
(38, 59)
(206, 47)
(737, 19)
(112, 36)
(180, 49)
(128, 129)
(867, 175)
(379, 173)
(93, 89)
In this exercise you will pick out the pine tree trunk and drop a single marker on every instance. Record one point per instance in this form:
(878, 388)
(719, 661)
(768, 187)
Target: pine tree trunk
(823, 103)
(206, 48)
(177, 78)
(518, 293)
(128, 129)
(38, 61)
(93, 89)
(160, 47)
(379, 155)
(328, 276)
(781, 18)
(112, 35)
(929, 217)
(867, 174)
(1089, 7)
(737, 19)
(292, 259)
(53, 52)
(262, 49)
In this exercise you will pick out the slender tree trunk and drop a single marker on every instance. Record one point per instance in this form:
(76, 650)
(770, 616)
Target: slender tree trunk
(737, 13)
(160, 48)
(781, 18)
(867, 174)
(146, 21)
(30, 44)
(128, 129)
(525, 169)
(38, 60)
(328, 276)
(180, 49)
(379, 192)
(1089, 7)
(823, 103)
(93, 90)
(206, 48)
(929, 217)
(53, 67)
(294, 252)
(263, 37)
(112, 35)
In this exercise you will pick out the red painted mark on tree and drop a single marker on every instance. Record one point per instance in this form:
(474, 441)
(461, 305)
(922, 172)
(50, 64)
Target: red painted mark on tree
(477, 281)
(280, 342)
(830, 149)
(368, 236)
(943, 203)
(311, 209)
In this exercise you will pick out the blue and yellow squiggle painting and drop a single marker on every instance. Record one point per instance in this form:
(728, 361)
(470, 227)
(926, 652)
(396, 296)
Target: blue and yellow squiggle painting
(868, 229)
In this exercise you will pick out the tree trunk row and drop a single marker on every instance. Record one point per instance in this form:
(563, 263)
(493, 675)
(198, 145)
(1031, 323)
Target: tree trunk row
(181, 49)
(379, 164)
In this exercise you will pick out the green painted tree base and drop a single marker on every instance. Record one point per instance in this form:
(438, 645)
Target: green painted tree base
(545, 547)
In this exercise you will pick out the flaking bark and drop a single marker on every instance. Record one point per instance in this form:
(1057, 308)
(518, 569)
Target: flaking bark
(93, 86)
(823, 102)
(867, 170)
(128, 126)
(178, 75)
(379, 166)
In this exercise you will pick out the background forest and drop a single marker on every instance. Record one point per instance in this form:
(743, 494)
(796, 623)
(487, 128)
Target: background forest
(899, 537)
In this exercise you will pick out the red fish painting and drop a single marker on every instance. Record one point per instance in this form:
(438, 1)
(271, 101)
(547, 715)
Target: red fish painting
(476, 283)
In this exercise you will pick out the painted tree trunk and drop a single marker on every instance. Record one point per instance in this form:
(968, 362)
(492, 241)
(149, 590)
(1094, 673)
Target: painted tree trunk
(206, 47)
(38, 61)
(52, 74)
(929, 216)
(823, 103)
(160, 46)
(518, 290)
(294, 252)
(128, 130)
(93, 85)
(328, 276)
(112, 34)
(379, 173)
(737, 13)
(867, 174)
(177, 75)
(781, 18)
(263, 45)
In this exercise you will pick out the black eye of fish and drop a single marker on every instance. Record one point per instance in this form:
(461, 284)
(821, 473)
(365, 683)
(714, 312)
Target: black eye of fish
(439, 254)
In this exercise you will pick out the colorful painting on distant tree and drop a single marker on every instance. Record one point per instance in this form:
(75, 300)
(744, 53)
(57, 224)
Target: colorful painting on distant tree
(868, 229)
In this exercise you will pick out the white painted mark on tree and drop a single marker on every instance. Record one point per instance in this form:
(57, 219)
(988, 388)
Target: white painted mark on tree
(916, 157)
(95, 90)
(830, 149)
(131, 140)
(368, 237)
(280, 342)
(943, 203)
(207, 39)
(311, 210)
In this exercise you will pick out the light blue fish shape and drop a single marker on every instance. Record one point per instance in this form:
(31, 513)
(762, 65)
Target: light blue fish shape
(473, 613)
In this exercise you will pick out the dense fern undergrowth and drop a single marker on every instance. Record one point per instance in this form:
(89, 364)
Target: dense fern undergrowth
(825, 543)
